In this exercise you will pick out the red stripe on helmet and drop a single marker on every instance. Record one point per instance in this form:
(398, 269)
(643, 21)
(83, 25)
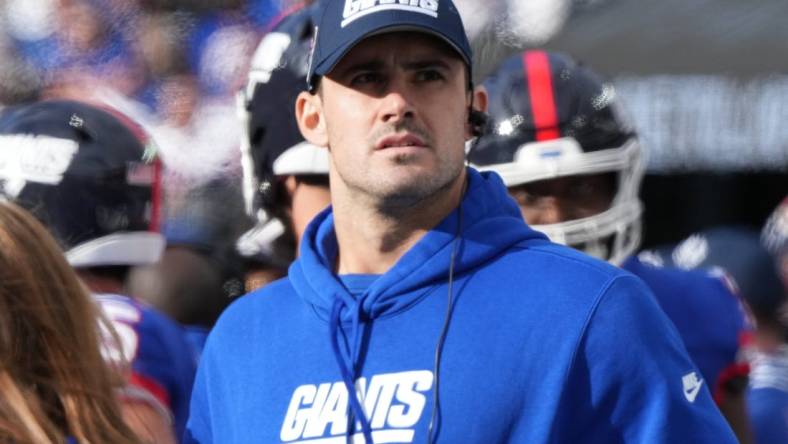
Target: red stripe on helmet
(279, 18)
(540, 89)
(157, 194)
(142, 135)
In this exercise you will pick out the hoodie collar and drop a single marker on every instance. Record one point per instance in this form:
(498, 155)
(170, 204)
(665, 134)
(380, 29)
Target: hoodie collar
(491, 222)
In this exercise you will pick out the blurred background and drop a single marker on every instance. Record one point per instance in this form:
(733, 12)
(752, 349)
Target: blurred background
(706, 83)
(172, 65)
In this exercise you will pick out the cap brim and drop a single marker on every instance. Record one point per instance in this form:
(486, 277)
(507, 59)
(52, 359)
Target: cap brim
(412, 25)
(129, 248)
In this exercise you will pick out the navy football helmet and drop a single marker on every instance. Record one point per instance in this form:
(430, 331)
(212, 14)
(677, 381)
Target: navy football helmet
(736, 253)
(89, 174)
(273, 145)
(552, 117)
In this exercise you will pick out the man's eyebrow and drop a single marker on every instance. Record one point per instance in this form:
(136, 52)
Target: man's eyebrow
(377, 65)
(371, 65)
(428, 63)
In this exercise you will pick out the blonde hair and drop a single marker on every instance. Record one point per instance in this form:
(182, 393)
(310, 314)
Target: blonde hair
(54, 383)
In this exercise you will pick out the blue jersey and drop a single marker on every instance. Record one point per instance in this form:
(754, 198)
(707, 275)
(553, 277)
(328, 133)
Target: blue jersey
(162, 360)
(708, 316)
(544, 344)
(767, 398)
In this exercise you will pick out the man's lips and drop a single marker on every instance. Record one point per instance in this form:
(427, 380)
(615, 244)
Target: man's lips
(399, 141)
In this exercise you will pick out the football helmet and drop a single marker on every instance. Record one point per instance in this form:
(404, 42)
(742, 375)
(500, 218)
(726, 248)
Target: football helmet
(273, 145)
(775, 231)
(552, 117)
(751, 272)
(89, 174)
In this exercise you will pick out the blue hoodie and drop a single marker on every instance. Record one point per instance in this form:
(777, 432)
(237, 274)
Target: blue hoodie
(687, 296)
(544, 344)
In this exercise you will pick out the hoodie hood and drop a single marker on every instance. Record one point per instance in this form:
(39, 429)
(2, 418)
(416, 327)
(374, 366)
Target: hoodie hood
(491, 224)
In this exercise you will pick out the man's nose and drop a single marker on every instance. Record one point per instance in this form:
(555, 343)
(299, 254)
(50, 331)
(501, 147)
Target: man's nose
(397, 104)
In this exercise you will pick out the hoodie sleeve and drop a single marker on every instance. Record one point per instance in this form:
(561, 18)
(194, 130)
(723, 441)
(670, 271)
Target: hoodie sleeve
(632, 380)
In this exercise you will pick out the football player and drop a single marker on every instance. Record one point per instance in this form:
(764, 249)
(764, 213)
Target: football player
(559, 138)
(87, 174)
(285, 177)
(753, 273)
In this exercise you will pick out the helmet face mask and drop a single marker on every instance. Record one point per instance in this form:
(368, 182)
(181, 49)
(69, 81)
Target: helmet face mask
(612, 235)
(578, 130)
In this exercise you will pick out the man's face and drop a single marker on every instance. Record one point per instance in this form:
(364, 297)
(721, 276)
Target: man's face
(395, 111)
(565, 198)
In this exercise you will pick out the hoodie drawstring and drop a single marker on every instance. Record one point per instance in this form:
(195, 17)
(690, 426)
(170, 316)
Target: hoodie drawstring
(348, 366)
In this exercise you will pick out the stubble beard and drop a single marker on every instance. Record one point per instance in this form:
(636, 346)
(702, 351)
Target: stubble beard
(397, 196)
(413, 194)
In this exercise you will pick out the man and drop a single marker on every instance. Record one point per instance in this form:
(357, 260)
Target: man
(753, 274)
(560, 140)
(86, 174)
(775, 237)
(285, 177)
(421, 308)
(199, 272)
(768, 396)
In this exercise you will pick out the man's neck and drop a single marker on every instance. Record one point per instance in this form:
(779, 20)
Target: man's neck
(372, 239)
(100, 284)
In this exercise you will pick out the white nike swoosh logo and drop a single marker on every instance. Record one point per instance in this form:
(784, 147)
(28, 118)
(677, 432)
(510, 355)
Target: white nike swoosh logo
(692, 393)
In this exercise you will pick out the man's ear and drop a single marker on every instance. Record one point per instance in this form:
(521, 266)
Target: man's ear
(477, 117)
(480, 99)
(310, 118)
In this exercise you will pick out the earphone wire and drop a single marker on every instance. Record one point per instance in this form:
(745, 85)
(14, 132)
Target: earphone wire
(478, 132)
(446, 321)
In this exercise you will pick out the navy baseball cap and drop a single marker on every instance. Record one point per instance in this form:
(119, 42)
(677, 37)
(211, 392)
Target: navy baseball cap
(342, 24)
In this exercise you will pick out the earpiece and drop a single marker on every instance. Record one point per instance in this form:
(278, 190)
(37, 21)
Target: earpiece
(478, 121)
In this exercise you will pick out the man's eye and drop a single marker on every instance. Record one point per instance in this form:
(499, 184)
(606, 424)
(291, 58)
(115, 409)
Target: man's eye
(583, 189)
(429, 75)
(523, 197)
(367, 78)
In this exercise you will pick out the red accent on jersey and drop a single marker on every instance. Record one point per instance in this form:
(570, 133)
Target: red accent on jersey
(727, 377)
(747, 339)
(152, 387)
(540, 87)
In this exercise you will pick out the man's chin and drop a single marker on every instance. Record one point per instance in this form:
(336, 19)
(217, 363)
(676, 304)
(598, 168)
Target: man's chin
(409, 192)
